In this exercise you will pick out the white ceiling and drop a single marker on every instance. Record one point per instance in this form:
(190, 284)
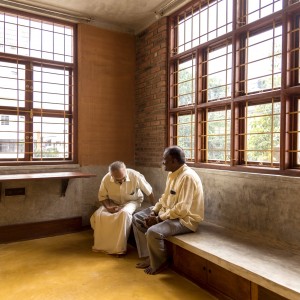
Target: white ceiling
(123, 15)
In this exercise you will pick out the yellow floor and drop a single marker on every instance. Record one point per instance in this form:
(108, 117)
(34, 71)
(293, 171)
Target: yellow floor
(64, 267)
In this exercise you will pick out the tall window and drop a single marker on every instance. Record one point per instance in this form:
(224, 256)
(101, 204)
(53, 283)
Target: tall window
(36, 88)
(235, 84)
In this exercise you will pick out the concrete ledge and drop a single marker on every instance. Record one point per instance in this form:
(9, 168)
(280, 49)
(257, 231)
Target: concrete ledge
(65, 176)
(272, 265)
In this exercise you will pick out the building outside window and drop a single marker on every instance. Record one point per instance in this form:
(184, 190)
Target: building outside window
(234, 84)
(36, 88)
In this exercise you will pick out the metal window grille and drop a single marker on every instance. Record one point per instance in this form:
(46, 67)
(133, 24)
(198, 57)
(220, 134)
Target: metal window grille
(201, 23)
(36, 88)
(246, 83)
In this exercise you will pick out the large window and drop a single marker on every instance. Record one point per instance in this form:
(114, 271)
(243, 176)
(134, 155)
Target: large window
(234, 84)
(36, 89)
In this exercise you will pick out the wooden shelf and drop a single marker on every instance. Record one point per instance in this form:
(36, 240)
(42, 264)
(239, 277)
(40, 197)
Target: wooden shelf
(65, 176)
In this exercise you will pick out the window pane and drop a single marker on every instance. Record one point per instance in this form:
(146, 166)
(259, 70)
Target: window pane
(12, 137)
(219, 73)
(257, 9)
(51, 137)
(263, 68)
(184, 133)
(11, 36)
(184, 90)
(34, 38)
(202, 23)
(263, 133)
(50, 88)
(12, 84)
(218, 135)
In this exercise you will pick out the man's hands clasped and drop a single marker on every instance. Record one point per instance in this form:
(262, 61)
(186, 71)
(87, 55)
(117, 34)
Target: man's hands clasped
(113, 208)
(151, 220)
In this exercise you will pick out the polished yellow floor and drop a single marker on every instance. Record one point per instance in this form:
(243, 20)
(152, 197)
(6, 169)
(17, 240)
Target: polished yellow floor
(64, 267)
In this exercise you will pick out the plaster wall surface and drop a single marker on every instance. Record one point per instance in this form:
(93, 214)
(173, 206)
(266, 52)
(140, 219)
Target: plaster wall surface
(263, 205)
(43, 201)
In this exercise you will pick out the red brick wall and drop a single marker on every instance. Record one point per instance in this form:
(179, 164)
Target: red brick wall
(151, 94)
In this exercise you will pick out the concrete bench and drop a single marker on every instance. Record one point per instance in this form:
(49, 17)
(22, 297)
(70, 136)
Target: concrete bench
(267, 264)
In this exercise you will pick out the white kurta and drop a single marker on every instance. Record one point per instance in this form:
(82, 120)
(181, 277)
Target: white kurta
(111, 231)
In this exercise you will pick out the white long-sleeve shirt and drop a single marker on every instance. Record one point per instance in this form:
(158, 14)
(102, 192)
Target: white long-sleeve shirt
(130, 190)
(182, 198)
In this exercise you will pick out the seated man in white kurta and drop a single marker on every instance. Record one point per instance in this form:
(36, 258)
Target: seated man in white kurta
(120, 194)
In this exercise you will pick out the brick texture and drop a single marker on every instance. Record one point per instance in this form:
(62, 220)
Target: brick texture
(151, 94)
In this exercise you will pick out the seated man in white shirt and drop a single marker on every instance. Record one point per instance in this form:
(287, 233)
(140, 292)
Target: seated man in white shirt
(179, 210)
(120, 194)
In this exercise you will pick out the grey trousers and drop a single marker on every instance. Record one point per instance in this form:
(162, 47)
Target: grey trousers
(150, 241)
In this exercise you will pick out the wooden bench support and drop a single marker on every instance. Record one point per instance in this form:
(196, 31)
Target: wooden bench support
(64, 186)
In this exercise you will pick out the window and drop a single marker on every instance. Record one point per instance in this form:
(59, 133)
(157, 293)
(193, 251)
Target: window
(36, 89)
(4, 120)
(234, 84)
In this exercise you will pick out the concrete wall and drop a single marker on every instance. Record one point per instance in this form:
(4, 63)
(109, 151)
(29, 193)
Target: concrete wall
(42, 200)
(264, 205)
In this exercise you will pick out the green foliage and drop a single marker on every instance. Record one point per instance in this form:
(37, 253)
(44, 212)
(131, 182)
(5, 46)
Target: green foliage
(218, 132)
(263, 138)
(186, 86)
(185, 134)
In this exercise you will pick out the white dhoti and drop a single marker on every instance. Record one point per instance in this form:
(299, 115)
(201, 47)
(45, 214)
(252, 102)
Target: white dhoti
(111, 231)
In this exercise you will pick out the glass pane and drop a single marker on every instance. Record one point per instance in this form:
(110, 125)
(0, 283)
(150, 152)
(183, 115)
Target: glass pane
(263, 133)
(257, 9)
(218, 135)
(47, 45)
(50, 88)
(30, 37)
(185, 134)
(23, 41)
(12, 137)
(263, 71)
(12, 84)
(203, 23)
(186, 82)
(219, 73)
(50, 137)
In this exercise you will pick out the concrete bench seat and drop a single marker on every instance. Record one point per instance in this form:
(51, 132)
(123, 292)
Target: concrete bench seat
(269, 264)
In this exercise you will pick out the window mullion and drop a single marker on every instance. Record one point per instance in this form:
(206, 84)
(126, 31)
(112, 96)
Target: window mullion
(28, 112)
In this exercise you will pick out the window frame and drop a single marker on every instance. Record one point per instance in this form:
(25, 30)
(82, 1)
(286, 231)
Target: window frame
(288, 93)
(71, 113)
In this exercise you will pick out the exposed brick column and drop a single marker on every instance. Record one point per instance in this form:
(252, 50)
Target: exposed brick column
(151, 94)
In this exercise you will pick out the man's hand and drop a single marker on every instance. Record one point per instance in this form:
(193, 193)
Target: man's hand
(113, 209)
(150, 220)
(111, 206)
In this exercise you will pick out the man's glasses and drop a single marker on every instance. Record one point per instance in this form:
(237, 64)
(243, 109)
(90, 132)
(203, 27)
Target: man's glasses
(120, 180)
